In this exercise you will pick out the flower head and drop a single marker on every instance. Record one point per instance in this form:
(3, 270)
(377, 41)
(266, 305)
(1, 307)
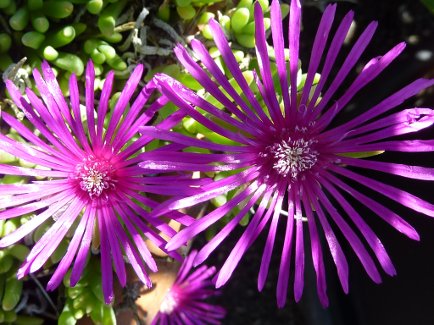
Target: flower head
(184, 302)
(86, 180)
(281, 151)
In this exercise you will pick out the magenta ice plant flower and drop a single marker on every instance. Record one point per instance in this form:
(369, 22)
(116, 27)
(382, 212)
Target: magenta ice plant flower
(282, 151)
(86, 181)
(185, 302)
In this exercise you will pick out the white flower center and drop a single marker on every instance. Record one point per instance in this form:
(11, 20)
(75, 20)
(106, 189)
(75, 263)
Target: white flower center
(292, 157)
(169, 303)
(95, 176)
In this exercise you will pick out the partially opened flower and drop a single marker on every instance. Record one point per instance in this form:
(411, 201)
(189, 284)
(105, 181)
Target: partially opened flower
(282, 151)
(86, 180)
(185, 302)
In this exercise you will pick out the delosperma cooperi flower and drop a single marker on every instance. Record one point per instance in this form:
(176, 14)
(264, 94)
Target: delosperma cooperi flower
(283, 152)
(86, 178)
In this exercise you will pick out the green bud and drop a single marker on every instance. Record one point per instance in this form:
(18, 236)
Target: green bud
(78, 314)
(164, 11)
(6, 264)
(28, 320)
(59, 252)
(108, 51)
(7, 158)
(238, 54)
(66, 318)
(190, 124)
(64, 83)
(11, 179)
(205, 17)
(25, 163)
(19, 251)
(96, 287)
(98, 69)
(284, 7)
(5, 43)
(264, 4)
(70, 62)
(50, 53)
(210, 233)
(58, 9)
(11, 9)
(33, 39)
(225, 22)
(35, 4)
(117, 63)
(10, 316)
(206, 32)
(182, 3)
(79, 28)
(187, 12)
(246, 40)
(12, 293)
(109, 316)
(61, 37)
(2, 291)
(40, 23)
(96, 314)
(95, 6)
(89, 45)
(214, 52)
(107, 18)
(20, 19)
(239, 19)
(97, 56)
(249, 29)
(9, 227)
(5, 3)
(267, 23)
(245, 4)
(113, 38)
(218, 201)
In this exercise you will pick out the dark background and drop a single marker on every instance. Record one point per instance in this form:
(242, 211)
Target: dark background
(407, 298)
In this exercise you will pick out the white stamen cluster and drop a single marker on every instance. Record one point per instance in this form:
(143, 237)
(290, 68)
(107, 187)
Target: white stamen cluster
(95, 177)
(293, 156)
(168, 304)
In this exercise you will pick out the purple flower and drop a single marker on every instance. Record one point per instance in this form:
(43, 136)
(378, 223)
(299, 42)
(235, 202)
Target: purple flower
(283, 153)
(86, 180)
(184, 302)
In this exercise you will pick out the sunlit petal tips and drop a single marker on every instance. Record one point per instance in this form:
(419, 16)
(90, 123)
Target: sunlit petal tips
(292, 154)
(86, 188)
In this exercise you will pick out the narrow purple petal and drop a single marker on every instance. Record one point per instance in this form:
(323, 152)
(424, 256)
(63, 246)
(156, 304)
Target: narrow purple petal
(409, 171)
(106, 265)
(384, 213)
(80, 260)
(247, 238)
(269, 244)
(122, 102)
(90, 100)
(294, 43)
(66, 261)
(372, 239)
(299, 252)
(264, 64)
(409, 200)
(206, 250)
(200, 225)
(318, 50)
